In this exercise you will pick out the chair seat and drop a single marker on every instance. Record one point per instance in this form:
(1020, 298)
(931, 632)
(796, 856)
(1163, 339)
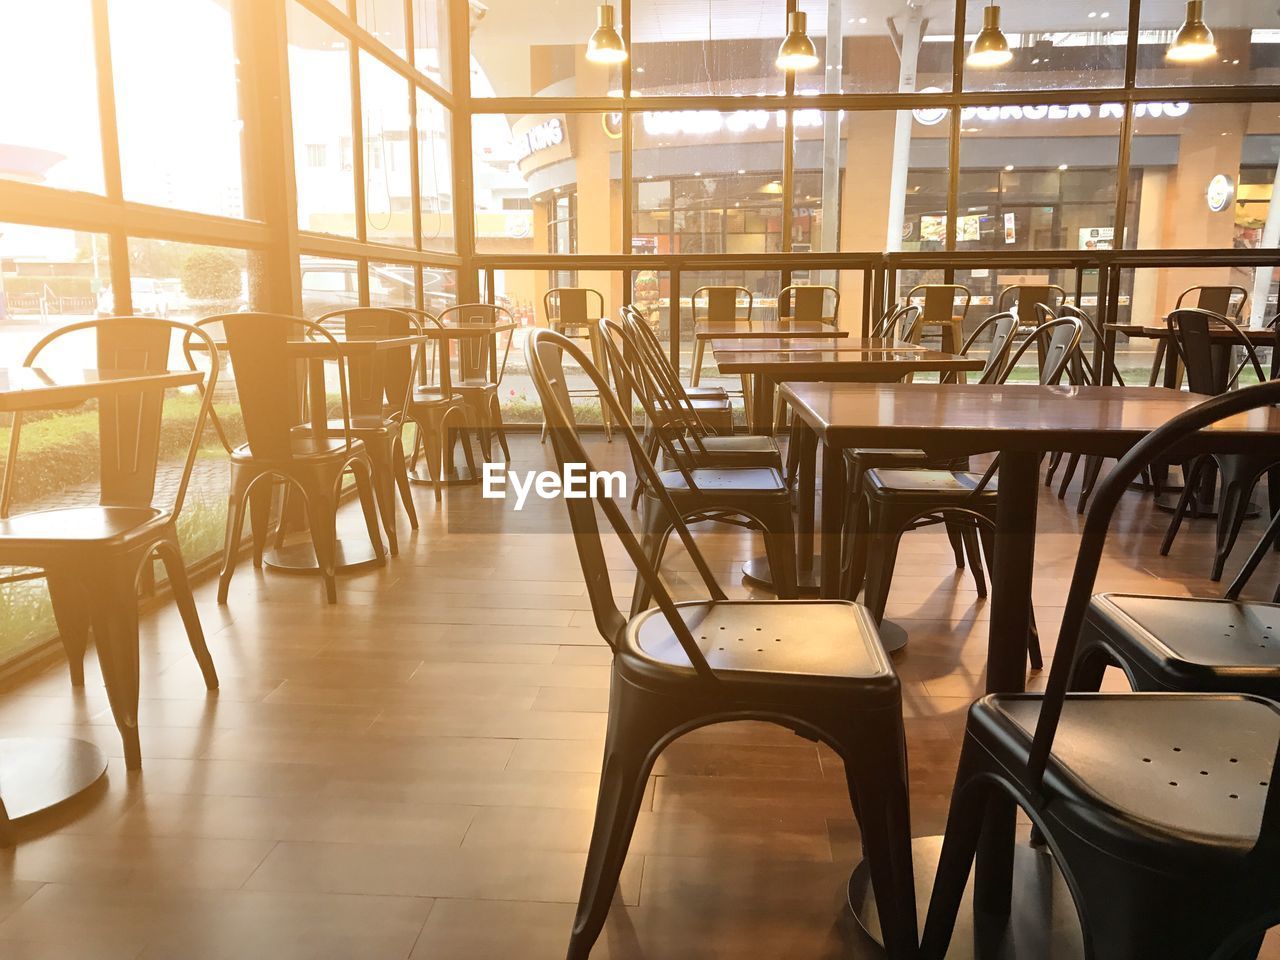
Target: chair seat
(746, 445)
(475, 383)
(832, 644)
(307, 447)
(711, 404)
(744, 480)
(1147, 769)
(429, 396)
(1193, 643)
(926, 483)
(706, 393)
(79, 525)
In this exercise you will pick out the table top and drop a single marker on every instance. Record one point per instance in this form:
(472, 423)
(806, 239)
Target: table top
(339, 346)
(839, 344)
(453, 331)
(764, 329)
(957, 419)
(27, 388)
(855, 365)
(1264, 337)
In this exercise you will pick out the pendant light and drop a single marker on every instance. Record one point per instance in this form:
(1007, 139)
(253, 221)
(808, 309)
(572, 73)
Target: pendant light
(990, 48)
(797, 51)
(1194, 41)
(605, 46)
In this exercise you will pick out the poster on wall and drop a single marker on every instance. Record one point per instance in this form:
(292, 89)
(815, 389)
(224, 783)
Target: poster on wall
(933, 228)
(1010, 228)
(968, 228)
(1097, 238)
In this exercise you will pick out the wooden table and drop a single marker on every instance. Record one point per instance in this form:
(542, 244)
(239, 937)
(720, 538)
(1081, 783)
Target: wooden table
(867, 364)
(842, 344)
(38, 774)
(1021, 421)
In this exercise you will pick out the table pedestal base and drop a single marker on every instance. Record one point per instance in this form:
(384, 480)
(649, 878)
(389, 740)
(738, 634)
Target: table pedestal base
(893, 636)
(300, 558)
(757, 573)
(1042, 924)
(39, 774)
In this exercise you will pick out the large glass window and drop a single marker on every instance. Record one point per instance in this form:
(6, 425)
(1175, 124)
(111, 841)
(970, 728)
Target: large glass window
(708, 182)
(384, 118)
(1247, 35)
(50, 125)
(174, 63)
(431, 38)
(521, 49)
(1079, 45)
(328, 283)
(706, 47)
(435, 174)
(385, 20)
(320, 98)
(534, 173)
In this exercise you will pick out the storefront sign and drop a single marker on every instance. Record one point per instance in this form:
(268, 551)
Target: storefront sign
(1097, 238)
(538, 141)
(929, 116)
(1218, 195)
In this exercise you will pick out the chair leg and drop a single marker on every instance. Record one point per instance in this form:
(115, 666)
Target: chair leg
(1156, 363)
(970, 537)
(231, 544)
(955, 534)
(959, 846)
(1068, 475)
(384, 489)
(401, 475)
(1237, 483)
(639, 724)
(70, 610)
(1270, 537)
(875, 755)
(653, 526)
(1190, 482)
(882, 556)
(695, 368)
(260, 497)
(114, 605)
(1055, 459)
(1092, 468)
(1089, 668)
(499, 428)
(322, 510)
(365, 489)
(780, 546)
(857, 535)
(171, 555)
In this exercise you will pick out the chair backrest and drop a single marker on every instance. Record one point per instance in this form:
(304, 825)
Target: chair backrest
(571, 306)
(129, 421)
(1215, 299)
(720, 304)
(1023, 298)
(479, 355)
(940, 301)
(898, 321)
(1192, 330)
(1058, 342)
(641, 345)
(808, 304)
(545, 351)
(1002, 326)
(380, 381)
(1152, 448)
(265, 369)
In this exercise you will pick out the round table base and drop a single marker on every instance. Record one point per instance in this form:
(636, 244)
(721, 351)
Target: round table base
(300, 558)
(38, 774)
(1168, 502)
(893, 636)
(1042, 923)
(757, 573)
(457, 477)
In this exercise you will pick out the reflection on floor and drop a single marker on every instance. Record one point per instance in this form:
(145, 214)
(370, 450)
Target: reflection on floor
(412, 773)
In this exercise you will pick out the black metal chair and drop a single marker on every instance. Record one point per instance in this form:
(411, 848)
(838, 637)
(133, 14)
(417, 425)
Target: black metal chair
(711, 403)
(861, 459)
(480, 371)
(816, 667)
(1160, 809)
(258, 346)
(568, 311)
(1225, 301)
(897, 321)
(439, 413)
(756, 497)
(1205, 363)
(898, 500)
(95, 557)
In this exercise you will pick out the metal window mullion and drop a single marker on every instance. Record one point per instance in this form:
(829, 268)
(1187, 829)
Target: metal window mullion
(463, 187)
(112, 178)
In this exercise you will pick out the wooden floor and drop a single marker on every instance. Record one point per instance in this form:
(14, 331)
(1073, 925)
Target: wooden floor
(412, 773)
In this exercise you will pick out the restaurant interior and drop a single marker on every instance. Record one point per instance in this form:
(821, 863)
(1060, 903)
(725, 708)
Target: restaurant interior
(646, 479)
